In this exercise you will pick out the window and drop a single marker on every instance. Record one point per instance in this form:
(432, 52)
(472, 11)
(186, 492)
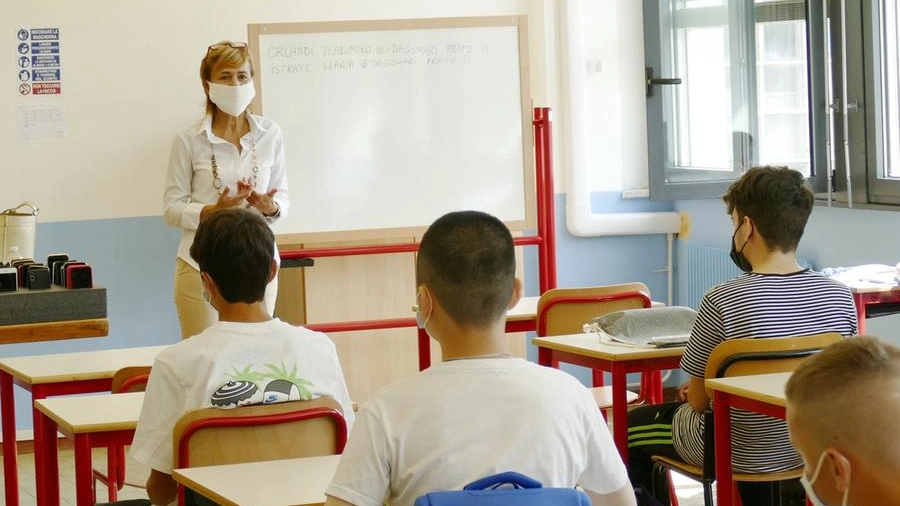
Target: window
(875, 177)
(744, 93)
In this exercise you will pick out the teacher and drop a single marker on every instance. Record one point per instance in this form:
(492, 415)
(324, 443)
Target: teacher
(229, 158)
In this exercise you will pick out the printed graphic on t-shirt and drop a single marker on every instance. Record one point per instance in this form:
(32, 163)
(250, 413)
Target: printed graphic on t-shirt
(275, 383)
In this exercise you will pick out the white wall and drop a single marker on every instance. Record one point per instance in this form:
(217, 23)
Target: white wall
(130, 79)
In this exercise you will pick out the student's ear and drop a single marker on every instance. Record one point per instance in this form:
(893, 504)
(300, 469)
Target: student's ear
(273, 271)
(840, 469)
(516, 294)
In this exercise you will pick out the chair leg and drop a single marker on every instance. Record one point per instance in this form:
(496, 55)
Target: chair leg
(707, 494)
(597, 377)
(663, 489)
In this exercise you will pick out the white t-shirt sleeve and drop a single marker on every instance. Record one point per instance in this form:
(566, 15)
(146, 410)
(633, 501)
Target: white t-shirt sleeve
(164, 403)
(605, 472)
(363, 474)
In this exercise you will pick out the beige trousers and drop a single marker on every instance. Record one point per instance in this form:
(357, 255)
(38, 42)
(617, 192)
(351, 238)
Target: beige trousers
(194, 313)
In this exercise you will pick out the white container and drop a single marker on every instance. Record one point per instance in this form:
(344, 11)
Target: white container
(18, 226)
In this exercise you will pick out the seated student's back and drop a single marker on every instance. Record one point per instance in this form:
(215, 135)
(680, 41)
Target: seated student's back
(247, 357)
(479, 412)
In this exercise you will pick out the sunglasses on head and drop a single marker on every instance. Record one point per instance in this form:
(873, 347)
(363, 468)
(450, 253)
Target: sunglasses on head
(235, 45)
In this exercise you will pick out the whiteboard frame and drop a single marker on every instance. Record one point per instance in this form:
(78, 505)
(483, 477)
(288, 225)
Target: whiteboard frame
(254, 31)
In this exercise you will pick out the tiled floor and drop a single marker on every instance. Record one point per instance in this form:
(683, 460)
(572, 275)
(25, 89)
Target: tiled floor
(689, 492)
(66, 480)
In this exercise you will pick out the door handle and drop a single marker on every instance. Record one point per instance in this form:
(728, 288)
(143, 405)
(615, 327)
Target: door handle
(658, 81)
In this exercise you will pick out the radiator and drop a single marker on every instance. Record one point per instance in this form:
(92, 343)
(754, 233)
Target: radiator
(701, 267)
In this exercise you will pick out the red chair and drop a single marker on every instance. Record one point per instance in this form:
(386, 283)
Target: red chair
(565, 311)
(212, 436)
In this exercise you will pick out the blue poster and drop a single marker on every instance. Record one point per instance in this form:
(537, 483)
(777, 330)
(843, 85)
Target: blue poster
(44, 74)
(45, 47)
(44, 34)
(43, 61)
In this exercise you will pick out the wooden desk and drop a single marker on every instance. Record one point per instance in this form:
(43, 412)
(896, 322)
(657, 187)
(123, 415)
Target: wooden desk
(49, 375)
(762, 393)
(53, 331)
(90, 421)
(523, 316)
(588, 351)
(874, 299)
(268, 483)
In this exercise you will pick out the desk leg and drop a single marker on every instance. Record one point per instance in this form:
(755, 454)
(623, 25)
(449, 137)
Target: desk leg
(84, 476)
(545, 356)
(46, 465)
(620, 409)
(8, 423)
(722, 423)
(860, 313)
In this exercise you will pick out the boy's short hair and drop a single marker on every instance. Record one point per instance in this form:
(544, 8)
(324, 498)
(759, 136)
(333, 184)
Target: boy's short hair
(468, 261)
(850, 391)
(777, 199)
(236, 248)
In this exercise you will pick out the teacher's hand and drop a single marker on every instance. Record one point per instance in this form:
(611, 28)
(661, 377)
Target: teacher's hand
(265, 202)
(227, 200)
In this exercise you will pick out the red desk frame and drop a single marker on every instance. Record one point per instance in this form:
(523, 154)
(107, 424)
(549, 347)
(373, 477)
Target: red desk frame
(545, 240)
(618, 369)
(726, 491)
(866, 297)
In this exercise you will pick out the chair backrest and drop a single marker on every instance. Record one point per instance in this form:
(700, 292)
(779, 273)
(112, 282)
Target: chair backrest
(747, 356)
(212, 436)
(566, 310)
(130, 379)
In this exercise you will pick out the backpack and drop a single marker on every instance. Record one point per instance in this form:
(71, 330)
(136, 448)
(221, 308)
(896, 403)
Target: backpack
(505, 489)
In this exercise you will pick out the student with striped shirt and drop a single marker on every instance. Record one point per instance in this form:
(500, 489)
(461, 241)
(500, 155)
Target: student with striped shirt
(775, 297)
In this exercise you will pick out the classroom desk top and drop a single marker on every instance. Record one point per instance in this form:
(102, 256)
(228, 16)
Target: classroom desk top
(590, 345)
(268, 483)
(80, 366)
(90, 421)
(768, 388)
(526, 309)
(93, 413)
(53, 331)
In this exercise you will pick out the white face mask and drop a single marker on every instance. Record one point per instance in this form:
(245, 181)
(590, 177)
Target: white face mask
(232, 100)
(808, 485)
(420, 321)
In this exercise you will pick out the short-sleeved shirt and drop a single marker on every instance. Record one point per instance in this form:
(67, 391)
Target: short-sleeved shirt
(758, 306)
(463, 420)
(229, 365)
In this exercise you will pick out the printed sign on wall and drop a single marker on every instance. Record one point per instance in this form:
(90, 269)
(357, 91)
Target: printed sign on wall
(39, 69)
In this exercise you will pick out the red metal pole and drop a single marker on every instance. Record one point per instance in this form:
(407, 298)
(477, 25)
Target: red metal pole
(550, 202)
(539, 124)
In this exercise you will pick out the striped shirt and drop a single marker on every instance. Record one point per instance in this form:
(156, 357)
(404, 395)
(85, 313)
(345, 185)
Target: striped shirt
(758, 305)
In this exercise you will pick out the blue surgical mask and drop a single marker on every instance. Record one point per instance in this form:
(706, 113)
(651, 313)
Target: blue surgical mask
(808, 485)
(737, 256)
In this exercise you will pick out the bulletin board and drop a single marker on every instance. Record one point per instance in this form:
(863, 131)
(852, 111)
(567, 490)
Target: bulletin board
(389, 124)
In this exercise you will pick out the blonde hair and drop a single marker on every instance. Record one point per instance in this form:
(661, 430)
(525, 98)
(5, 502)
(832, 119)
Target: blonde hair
(848, 396)
(222, 53)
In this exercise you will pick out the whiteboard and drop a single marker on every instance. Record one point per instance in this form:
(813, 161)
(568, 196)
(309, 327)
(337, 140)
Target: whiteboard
(390, 124)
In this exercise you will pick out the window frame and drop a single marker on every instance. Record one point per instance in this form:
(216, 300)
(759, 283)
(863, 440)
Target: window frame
(662, 187)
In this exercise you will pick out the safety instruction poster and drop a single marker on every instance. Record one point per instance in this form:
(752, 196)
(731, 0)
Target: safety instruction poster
(39, 62)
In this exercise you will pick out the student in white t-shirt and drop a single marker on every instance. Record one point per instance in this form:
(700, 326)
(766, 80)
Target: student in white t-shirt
(480, 411)
(247, 357)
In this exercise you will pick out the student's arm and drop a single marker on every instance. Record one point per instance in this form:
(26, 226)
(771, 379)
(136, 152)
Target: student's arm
(622, 497)
(334, 501)
(161, 488)
(696, 394)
